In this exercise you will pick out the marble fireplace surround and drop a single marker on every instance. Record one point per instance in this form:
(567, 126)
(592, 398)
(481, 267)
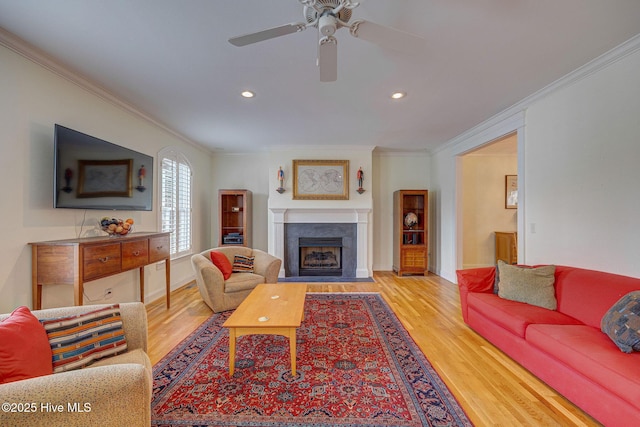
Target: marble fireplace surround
(359, 217)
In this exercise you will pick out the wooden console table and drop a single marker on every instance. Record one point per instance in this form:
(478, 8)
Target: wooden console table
(76, 261)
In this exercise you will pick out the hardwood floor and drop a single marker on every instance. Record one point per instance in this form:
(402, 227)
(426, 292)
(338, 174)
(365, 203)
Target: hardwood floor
(493, 389)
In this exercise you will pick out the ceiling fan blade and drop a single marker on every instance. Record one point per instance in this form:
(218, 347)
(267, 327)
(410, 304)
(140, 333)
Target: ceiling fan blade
(328, 59)
(271, 33)
(387, 37)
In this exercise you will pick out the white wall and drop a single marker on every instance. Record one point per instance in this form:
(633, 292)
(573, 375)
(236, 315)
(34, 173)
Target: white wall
(33, 100)
(582, 175)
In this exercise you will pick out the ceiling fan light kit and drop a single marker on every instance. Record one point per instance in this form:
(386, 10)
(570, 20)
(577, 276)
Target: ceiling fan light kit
(328, 16)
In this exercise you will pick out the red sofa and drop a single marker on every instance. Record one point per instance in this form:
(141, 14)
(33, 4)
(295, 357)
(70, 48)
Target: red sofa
(565, 348)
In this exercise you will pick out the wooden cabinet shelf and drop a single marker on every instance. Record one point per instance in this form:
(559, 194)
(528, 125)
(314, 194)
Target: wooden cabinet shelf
(76, 261)
(410, 231)
(234, 217)
(507, 247)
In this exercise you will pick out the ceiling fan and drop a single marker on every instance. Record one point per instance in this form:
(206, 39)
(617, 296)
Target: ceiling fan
(328, 16)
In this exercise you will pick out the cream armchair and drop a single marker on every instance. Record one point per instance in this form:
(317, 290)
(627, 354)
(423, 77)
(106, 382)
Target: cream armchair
(223, 295)
(114, 391)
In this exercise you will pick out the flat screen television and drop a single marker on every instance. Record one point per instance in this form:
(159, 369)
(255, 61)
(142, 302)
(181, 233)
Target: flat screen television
(90, 173)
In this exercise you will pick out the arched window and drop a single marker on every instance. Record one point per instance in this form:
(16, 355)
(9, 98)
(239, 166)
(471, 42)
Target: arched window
(175, 200)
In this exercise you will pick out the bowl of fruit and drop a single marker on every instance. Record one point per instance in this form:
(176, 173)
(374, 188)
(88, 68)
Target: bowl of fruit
(116, 226)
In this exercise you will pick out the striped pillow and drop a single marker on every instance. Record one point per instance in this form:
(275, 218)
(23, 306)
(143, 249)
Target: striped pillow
(243, 264)
(77, 341)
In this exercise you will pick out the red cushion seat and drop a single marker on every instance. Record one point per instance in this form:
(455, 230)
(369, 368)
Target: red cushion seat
(597, 356)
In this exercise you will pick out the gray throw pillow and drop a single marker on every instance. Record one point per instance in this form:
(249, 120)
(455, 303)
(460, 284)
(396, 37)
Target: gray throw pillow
(622, 322)
(529, 285)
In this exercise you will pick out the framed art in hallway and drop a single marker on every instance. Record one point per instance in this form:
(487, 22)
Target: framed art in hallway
(511, 192)
(321, 179)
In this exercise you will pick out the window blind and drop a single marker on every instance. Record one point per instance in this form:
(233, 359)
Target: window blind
(175, 203)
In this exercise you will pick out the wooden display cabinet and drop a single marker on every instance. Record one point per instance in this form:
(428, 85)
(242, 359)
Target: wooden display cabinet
(410, 232)
(507, 247)
(234, 218)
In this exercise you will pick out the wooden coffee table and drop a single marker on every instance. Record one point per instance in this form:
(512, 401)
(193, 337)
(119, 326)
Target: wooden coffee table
(270, 309)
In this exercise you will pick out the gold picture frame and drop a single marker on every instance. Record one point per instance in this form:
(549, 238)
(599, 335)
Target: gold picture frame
(511, 192)
(320, 179)
(105, 178)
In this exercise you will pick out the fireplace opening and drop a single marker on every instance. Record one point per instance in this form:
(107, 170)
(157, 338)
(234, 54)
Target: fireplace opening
(320, 256)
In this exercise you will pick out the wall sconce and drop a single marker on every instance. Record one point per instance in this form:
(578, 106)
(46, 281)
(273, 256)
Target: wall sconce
(280, 188)
(360, 177)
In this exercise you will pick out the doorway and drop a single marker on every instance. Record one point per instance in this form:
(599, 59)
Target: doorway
(483, 206)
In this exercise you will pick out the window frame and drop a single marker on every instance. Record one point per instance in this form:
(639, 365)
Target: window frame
(179, 160)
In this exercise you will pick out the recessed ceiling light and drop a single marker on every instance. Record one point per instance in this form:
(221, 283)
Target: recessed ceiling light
(398, 95)
(247, 94)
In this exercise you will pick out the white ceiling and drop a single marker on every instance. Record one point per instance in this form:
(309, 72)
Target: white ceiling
(171, 60)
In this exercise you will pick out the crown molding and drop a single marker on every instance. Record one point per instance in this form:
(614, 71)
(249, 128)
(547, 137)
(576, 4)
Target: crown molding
(41, 58)
(517, 110)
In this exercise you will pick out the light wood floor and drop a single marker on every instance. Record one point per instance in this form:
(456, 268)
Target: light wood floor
(492, 389)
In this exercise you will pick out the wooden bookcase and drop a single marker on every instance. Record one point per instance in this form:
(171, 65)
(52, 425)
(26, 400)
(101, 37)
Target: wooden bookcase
(234, 218)
(410, 242)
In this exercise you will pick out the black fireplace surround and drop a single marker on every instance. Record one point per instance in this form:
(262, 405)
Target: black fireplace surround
(346, 233)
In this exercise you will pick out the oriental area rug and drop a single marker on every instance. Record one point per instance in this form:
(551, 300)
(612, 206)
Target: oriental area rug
(356, 366)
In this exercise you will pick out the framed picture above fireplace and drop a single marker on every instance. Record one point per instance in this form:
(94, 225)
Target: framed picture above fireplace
(321, 179)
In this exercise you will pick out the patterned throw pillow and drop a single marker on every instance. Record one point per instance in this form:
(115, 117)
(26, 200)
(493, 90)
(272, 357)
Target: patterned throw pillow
(622, 322)
(529, 285)
(243, 264)
(77, 341)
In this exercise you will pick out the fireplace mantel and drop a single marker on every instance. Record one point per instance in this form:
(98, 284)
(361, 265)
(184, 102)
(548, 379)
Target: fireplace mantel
(359, 216)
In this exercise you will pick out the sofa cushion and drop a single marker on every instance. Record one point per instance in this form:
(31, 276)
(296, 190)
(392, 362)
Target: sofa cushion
(515, 316)
(529, 285)
(242, 282)
(593, 353)
(24, 348)
(221, 261)
(622, 322)
(77, 341)
(588, 294)
(243, 264)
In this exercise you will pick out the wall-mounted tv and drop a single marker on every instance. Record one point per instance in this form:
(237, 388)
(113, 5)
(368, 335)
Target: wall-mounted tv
(90, 173)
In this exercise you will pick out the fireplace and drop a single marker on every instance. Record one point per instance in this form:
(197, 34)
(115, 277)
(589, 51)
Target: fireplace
(320, 256)
(320, 249)
(287, 225)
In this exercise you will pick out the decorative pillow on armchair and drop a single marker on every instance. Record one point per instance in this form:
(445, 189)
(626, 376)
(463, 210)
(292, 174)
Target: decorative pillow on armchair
(220, 260)
(243, 264)
(529, 285)
(622, 322)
